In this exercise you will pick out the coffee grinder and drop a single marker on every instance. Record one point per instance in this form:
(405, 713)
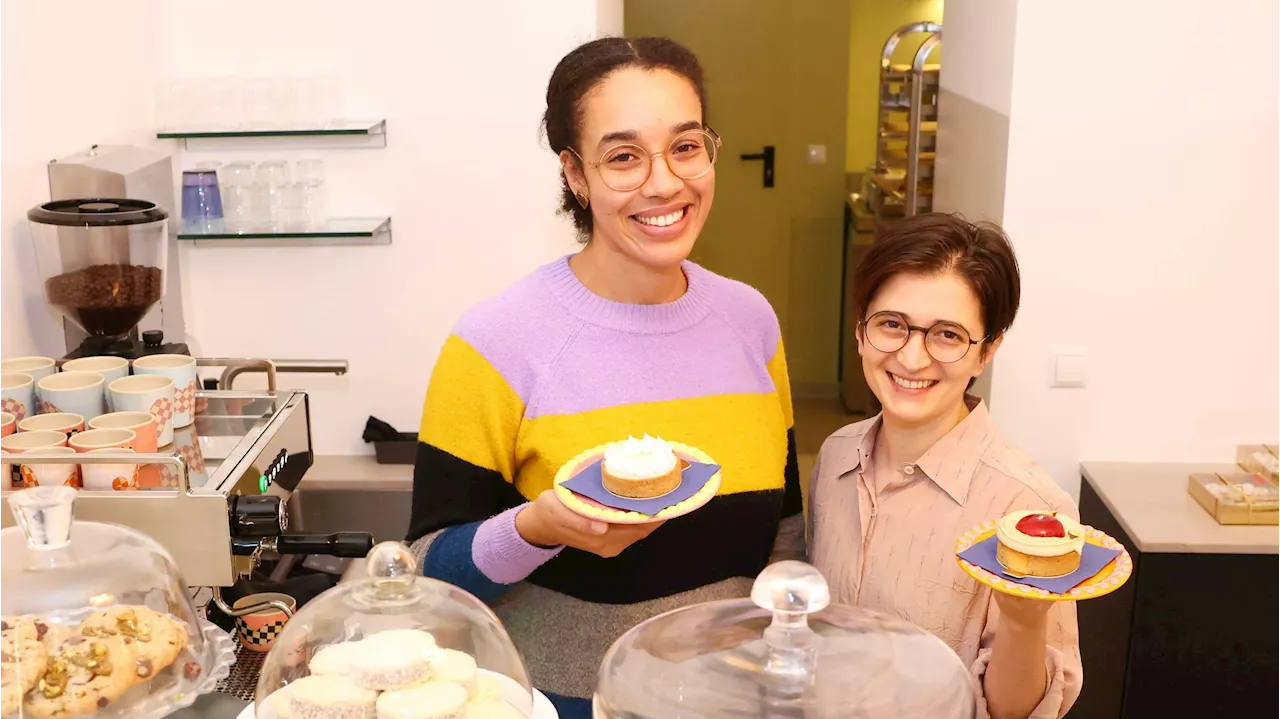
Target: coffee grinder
(102, 264)
(80, 234)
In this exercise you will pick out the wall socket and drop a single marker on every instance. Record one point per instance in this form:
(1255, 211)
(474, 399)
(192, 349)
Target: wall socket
(1070, 367)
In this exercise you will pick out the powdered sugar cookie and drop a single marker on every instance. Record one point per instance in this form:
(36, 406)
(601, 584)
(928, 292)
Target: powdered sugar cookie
(450, 665)
(434, 700)
(330, 697)
(392, 659)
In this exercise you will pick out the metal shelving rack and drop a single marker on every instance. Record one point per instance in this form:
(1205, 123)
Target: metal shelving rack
(907, 127)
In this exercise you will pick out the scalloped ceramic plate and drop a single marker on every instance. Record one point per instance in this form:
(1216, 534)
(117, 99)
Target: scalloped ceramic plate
(1107, 580)
(594, 510)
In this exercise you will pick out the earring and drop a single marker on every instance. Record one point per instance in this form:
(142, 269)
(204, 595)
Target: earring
(582, 199)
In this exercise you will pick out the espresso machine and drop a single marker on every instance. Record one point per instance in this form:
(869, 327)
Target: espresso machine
(225, 507)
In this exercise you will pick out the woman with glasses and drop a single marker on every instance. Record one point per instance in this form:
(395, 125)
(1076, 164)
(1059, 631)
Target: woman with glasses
(626, 337)
(890, 495)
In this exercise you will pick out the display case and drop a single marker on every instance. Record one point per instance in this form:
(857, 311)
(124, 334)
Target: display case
(787, 651)
(390, 640)
(97, 620)
(901, 181)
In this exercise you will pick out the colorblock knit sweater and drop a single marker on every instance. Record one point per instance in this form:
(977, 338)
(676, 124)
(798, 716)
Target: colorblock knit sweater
(547, 369)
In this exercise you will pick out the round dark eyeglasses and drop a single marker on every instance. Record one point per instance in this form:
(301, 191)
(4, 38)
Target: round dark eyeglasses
(945, 342)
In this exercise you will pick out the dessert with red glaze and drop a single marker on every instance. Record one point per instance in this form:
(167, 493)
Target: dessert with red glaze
(1038, 543)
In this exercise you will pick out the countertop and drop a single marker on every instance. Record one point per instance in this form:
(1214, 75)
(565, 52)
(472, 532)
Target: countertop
(1151, 502)
(340, 470)
(212, 706)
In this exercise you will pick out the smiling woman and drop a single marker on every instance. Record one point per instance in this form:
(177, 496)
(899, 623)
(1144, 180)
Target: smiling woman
(624, 338)
(889, 495)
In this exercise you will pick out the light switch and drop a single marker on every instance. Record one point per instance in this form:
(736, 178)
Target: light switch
(1070, 368)
(817, 154)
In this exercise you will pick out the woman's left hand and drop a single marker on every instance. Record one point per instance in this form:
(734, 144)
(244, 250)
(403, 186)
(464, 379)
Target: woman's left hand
(1024, 612)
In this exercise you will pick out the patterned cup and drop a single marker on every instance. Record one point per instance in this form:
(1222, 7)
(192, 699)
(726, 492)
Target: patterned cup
(64, 422)
(110, 477)
(17, 394)
(51, 475)
(143, 425)
(20, 442)
(92, 439)
(147, 393)
(258, 630)
(111, 369)
(187, 445)
(78, 392)
(8, 423)
(37, 367)
(182, 370)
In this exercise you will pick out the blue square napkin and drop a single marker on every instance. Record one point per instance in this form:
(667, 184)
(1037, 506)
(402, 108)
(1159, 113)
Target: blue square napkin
(1092, 559)
(589, 483)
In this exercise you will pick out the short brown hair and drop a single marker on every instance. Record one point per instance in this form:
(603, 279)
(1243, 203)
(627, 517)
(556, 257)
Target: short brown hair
(935, 243)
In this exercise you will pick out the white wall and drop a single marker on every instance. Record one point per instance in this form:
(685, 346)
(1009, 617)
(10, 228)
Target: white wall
(1142, 190)
(69, 74)
(469, 184)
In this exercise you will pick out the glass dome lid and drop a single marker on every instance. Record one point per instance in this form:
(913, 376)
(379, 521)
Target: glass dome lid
(785, 652)
(96, 619)
(393, 641)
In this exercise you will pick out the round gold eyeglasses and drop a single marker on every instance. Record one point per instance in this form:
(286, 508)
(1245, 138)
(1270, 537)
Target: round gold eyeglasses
(946, 342)
(627, 167)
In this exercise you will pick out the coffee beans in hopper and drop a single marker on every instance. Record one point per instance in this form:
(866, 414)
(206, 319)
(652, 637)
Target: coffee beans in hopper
(107, 300)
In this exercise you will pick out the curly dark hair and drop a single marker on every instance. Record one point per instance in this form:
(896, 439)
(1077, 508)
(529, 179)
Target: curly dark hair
(579, 72)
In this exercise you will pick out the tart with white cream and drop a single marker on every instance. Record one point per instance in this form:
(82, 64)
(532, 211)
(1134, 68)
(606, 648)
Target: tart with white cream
(1038, 543)
(640, 468)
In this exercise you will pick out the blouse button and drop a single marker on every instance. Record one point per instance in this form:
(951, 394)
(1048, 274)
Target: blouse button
(909, 469)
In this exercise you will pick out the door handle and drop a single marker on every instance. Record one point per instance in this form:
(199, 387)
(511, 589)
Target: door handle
(767, 156)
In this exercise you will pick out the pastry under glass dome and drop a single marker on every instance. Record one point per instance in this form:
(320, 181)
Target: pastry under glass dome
(784, 652)
(100, 617)
(366, 636)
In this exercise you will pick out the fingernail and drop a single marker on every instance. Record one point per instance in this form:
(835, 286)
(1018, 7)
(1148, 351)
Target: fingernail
(598, 527)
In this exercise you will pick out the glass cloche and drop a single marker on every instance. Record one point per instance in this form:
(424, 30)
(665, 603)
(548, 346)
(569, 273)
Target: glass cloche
(97, 620)
(786, 652)
(390, 641)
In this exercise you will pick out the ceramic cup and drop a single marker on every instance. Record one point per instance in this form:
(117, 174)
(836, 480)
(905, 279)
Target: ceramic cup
(65, 422)
(92, 439)
(258, 630)
(147, 440)
(147, 393)
(110, 477)
(182, 370)
(111, 369)
(51, 475)
(20, 442)
(187, 445)
(78, 392)
(37, 367)
(143, 425)
(18, 394)
(8, 423)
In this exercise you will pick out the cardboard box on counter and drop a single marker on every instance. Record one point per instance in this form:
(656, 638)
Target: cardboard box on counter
(1236, 498)
(1259, 459)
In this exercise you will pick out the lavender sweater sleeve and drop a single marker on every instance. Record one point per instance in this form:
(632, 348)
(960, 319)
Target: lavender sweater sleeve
(484, 558)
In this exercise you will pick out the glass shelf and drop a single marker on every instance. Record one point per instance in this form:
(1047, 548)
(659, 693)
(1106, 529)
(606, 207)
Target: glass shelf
(335, 231)
(346, 133)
